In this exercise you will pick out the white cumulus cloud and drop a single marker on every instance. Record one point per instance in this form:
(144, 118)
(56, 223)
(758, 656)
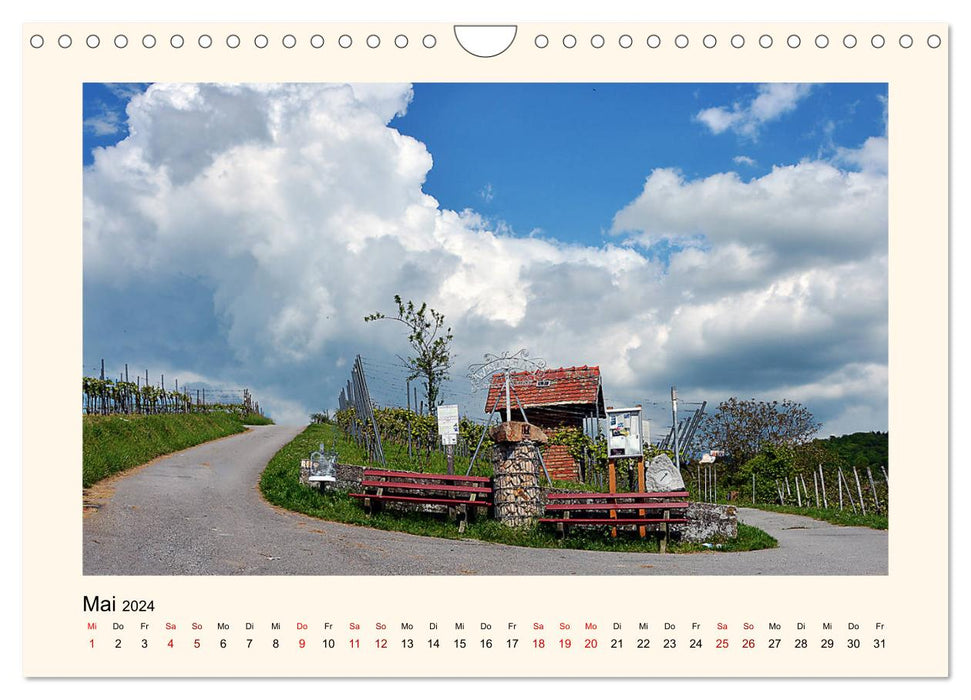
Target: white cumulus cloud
(746, 118)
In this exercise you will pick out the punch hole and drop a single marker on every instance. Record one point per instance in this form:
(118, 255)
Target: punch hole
(597, 41)
(289, 41)
(906, 41)
(121, 41)
(822, 41)
(709, 41)
(541, 41)
(681, 41)
(765, 41)
(345, 41)
(877, 41)
(93, 41)
(36, 41)
(373, 41)
(849, 41)
(317, 41)
(64, 41)
(569, 41)
(934, 41)
(653, 41)
(738, 41)
(232, 41)
(261, 41)
(205, 41)
(148, 41)
(625, 41)
(429, 41)
(793, 41)
(401, 41)
(177, 41)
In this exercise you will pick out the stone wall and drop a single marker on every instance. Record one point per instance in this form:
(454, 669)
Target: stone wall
(708, 521)
(349, 476)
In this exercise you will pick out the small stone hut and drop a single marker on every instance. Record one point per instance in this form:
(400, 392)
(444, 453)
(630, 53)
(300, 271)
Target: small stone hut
(553, 399)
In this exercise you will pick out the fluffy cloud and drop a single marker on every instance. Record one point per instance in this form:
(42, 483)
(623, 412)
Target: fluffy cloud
(772, 101)
(240, 234)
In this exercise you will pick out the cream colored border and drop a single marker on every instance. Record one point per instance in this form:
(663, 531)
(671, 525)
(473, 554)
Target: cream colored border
(911, 601)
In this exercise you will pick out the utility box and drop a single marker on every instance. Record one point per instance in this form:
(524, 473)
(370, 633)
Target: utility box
(624, 433)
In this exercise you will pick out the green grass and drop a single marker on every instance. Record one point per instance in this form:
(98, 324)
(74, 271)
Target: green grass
(114, 443)
(256, 419)
(830, 515)
(280, 485)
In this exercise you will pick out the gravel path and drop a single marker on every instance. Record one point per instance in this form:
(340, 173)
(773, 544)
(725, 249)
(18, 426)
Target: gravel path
(200, 512)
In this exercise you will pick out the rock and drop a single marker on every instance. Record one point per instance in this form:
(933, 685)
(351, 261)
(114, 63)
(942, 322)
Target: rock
(661, 475)
(708, 521)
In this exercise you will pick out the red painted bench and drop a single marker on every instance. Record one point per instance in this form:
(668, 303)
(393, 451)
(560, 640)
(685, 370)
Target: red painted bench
(658, 509)
(459, 494)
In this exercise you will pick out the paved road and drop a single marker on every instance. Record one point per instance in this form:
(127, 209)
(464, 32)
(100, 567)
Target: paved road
(200, 512)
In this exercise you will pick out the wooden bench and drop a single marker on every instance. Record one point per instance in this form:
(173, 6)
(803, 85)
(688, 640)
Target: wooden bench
(458, 494)
(659, 509)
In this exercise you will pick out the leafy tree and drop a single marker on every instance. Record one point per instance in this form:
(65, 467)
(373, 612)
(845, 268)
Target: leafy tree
(430, 341)
(743, 428)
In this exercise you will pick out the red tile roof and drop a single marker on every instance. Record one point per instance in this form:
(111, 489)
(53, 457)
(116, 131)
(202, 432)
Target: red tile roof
(567, 385)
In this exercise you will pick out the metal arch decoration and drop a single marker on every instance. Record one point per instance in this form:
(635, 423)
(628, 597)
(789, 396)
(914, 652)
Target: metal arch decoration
(481, 374)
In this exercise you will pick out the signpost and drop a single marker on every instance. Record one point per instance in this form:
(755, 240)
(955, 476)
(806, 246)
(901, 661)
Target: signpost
(623, 441)
(448, 429)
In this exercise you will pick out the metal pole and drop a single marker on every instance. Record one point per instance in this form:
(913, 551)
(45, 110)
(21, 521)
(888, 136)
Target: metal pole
(482, 436)
(508, 403)
(674, 424)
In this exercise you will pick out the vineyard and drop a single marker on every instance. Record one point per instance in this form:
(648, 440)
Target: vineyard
(103, 396)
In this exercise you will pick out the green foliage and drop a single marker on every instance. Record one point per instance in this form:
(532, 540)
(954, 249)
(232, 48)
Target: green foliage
(114, 443)
(430, 342)
(742, 428)
(836, 516)
(859, 449)
(774, 462)
(320, 417)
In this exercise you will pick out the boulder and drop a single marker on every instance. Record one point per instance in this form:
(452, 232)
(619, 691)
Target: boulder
(660, 474)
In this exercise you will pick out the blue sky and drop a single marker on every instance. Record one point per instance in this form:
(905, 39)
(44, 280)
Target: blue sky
(730, 239)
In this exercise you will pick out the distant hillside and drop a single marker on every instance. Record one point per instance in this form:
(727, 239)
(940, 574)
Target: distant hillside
(860, 449)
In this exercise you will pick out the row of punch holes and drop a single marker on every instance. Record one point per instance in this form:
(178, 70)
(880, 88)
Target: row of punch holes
(541, 41)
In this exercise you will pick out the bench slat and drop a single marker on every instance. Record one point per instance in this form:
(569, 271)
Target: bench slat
(617, 506)
(659, 494)
(425, 487)
(418, 499)
(611, 521)
(421, 475)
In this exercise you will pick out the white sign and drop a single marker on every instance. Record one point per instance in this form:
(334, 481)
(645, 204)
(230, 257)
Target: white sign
(624, 433)
(448, 424)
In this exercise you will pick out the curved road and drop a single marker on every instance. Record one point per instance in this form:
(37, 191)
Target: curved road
(199, 511)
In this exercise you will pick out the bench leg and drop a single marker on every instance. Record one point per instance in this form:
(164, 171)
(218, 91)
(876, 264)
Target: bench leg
(664, 532)
(463, 516)
(367, 507)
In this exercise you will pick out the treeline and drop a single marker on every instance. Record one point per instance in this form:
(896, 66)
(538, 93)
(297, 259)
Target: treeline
(860, 450)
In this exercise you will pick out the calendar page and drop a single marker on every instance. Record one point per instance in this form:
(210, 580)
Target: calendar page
(560, 349)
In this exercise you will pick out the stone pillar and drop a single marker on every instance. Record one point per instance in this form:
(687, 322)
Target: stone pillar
(517, 497)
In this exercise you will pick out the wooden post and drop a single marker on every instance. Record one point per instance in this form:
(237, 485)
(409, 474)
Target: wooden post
(839, 483)
(859, 491)
(849, 493)
(753, 488)
(641, 486)
(822, 484)
(873, 488)
(798, 497)
(612, 487)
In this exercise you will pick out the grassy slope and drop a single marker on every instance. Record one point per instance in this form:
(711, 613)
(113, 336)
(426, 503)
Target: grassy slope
(280, 486)
(115, 443)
